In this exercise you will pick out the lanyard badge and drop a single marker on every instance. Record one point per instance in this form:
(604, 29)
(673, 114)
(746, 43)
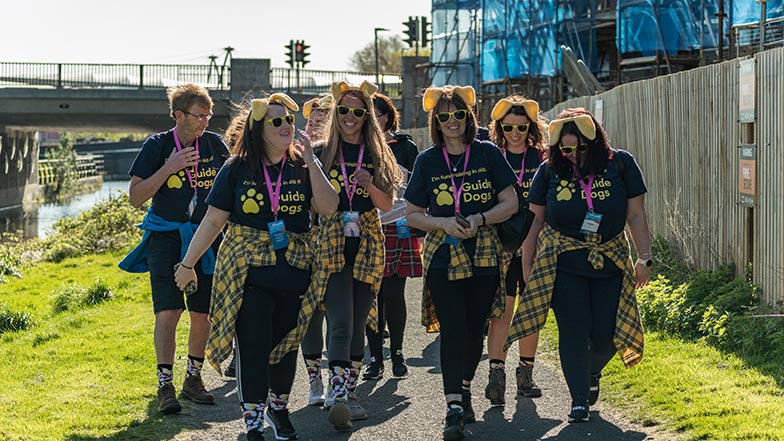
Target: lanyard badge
(457, 191)
(522, 166)
(277, 228)
(592, 220)
(351, 217)
(192, 177)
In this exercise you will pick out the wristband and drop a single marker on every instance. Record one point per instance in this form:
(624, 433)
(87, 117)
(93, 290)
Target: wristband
(186, 266)
(484, 219)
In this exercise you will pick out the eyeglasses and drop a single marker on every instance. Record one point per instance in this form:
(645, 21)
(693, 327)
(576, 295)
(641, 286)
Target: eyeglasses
(358, 111)
(520, 127)
(200, 117)
(277, 122)
(569, 149)
(458, 114)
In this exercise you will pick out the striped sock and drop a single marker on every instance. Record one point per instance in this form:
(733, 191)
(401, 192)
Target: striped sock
(194, 365)
(165, 374)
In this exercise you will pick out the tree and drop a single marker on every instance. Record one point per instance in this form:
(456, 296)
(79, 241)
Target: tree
(389, 47)
(62, 161)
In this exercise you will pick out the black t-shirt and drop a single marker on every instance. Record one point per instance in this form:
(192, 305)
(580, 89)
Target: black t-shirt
(171, 201)
(361, 201)
(430, 186)
(405, 150)
(532, 160)
(243, 193)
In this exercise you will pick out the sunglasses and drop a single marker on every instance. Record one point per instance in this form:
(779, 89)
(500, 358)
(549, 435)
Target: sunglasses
(569, 149)
(358, 111)
(458, 114)
(277, 122)
(520, 127)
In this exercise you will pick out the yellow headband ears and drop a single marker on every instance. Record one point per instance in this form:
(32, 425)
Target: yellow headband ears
(584, 124)
(318, 103)
(308, 106)
(366, 88)
(259, 107)
(505, 105)
(434, 94)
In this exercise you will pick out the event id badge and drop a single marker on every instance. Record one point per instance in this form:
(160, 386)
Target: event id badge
(277, 232)
(591, 222)
(351, 223)
(452, 240)
(403, 230)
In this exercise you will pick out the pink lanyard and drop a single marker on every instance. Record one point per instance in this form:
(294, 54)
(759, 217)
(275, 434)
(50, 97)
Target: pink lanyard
(351, 189)
(522, 166)
(457, 190)
(587, 191)
(274, 197)
(191, 179)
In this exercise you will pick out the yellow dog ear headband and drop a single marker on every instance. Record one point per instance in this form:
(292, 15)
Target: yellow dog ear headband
(318, 103)
(505, 105)
(584, 124)
(366, 88)
(259, 107)
(434, 94)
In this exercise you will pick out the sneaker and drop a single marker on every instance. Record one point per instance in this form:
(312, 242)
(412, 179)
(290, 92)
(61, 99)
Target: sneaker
(167, 400)
(399, 368)
(355, 408)
(231, 369)
(453, 425)
(316, 395)
(496, 386)
(468, 410)
(193, 389)
(594, 392)
(578, 414)
(374, 370)
(340, 415)
(280, 423)
(525, 382)
(329, 398)
(256, 435)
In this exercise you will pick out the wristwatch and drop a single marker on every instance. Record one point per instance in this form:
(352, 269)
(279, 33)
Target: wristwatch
(647, 262)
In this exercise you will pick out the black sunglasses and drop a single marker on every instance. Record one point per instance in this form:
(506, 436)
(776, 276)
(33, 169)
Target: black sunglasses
(458, 114)
(277, 122)
(568, 149)
(358, 111)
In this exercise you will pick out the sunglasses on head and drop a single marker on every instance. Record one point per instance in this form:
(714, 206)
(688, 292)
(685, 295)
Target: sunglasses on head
(458, 114)
(569, 149)
(520, 127)
(358, 111)
(277, 122)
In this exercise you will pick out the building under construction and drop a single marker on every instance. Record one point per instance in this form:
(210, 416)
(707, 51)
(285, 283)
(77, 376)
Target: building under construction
(552, 50)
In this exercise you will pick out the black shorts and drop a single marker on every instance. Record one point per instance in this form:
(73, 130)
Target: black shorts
(514, 277)
(162, 254)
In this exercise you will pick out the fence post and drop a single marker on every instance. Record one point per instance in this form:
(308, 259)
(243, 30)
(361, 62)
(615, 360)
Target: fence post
(59, 75)
(141, 76)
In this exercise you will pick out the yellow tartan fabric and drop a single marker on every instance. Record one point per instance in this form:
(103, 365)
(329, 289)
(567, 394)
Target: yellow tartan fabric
(489, 253)
(534, 303)
(242, 248)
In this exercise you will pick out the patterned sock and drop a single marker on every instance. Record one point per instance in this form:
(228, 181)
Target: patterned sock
(454, 405)
(353, 375)
(253, 414)
(497, 364)
(337, 379)
(194, 365)
(278, 402)
(313, 366)
(526, 361)
(165, 374)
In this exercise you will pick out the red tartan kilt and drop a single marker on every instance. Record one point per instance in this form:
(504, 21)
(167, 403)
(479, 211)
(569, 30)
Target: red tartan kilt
(401, 255)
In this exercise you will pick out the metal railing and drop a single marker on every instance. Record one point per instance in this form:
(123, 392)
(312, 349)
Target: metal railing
(87, 166)
(319, 81)
(747, 36)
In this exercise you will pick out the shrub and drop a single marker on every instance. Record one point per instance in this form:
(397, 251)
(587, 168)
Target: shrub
(74, 296)
(11, 321)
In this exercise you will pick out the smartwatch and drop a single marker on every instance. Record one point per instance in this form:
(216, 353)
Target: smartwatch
(646, 262)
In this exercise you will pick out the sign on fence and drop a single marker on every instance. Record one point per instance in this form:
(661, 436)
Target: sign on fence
(746, 96)
(747, 178)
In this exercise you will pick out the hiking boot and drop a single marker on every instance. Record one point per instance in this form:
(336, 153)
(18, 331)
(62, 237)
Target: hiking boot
(374, 370)
(355, 408)
(399, 368)
(231, 369)
(468, 410)
(594, 392)
(316, 395)
(578, 414)
(453, 425)
(280, 423)
(329, 398)
(193, 389)
(167, 400)
(525, 382)
(256, 435)
(496, 386)
(340, 415)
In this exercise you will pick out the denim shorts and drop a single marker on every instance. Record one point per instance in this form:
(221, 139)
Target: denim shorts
(162, 254)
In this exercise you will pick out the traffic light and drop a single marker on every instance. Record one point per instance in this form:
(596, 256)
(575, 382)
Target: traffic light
(425, 31)
(301, 55)
(290, 53)
(411, 31)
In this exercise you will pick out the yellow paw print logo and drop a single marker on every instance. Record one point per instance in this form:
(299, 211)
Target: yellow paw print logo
(175, 181)
(565, 191)
(335, 179)
(443, 197)
(252, 201)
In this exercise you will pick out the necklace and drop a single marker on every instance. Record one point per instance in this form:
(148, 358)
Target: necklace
(454, 165)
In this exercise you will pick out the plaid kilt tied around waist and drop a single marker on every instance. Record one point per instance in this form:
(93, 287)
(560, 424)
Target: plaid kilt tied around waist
(402, 256)
(534, 303)
(488, 254)
(242, 248)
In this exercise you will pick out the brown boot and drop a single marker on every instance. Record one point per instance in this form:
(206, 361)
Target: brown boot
(167, 401)
(193, 388)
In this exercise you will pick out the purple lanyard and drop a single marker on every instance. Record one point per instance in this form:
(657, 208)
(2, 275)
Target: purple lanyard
(274, 197)
(191, 179)
(522, 166)
(352, 188)
(457, 190)
(587, 191)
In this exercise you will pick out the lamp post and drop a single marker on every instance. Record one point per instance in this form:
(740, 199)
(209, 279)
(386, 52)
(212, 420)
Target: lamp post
(375, 41)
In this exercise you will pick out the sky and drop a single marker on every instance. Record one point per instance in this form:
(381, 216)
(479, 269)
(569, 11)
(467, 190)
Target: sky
(188, 32)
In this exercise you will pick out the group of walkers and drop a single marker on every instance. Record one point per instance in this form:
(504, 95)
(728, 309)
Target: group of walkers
(268, 237)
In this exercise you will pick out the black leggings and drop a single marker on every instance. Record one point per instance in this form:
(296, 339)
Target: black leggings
(585, 309)
(392, 313)
(348, 303)
(462, 308)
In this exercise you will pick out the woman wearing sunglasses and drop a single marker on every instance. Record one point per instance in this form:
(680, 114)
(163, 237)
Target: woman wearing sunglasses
(583, 197)
(362, 170)
(518, 131)
(264, 193)
(459, 189)
(402, 259)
